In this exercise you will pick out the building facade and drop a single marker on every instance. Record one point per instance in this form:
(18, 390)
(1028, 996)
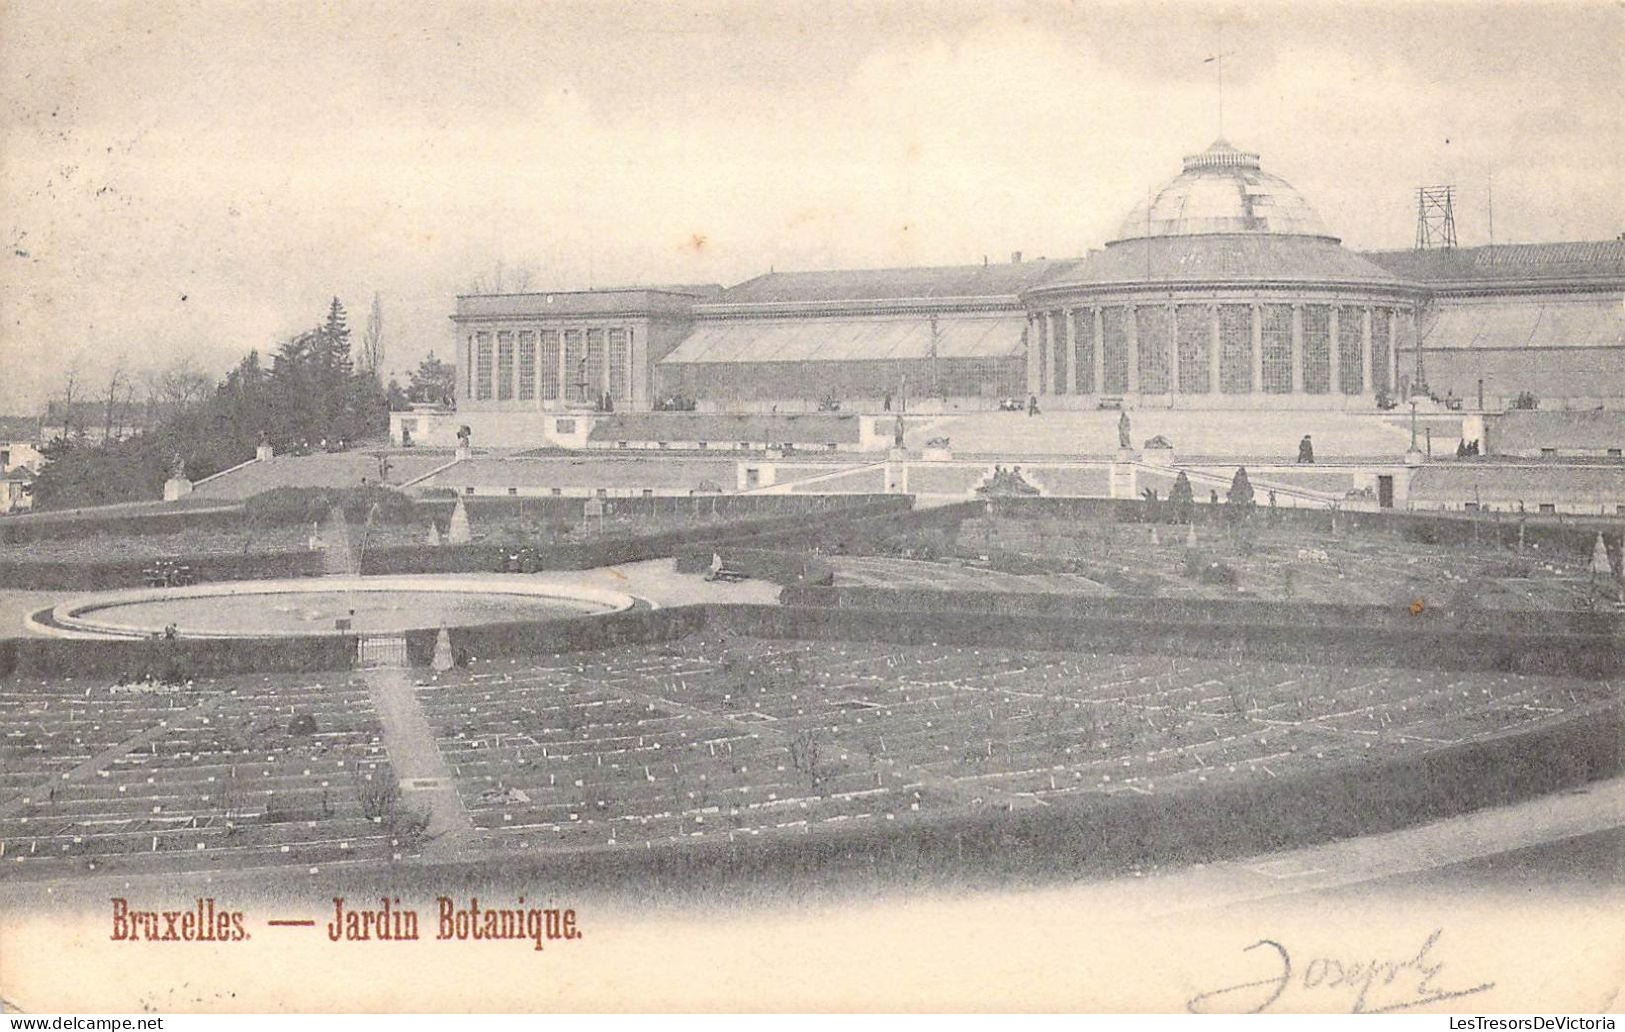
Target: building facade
(1222, 290)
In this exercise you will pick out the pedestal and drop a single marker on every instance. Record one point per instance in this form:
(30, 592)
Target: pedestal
(176, 488)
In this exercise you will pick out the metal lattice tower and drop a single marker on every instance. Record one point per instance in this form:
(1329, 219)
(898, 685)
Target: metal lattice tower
(1435, 217)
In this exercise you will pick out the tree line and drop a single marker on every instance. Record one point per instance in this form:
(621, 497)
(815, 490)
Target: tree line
(314, 395)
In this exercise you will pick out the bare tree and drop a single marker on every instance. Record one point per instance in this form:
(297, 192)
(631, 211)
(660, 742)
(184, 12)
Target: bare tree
(70, 394)
(116, 383)
(372, 340)
(501, 278)
(177, 385)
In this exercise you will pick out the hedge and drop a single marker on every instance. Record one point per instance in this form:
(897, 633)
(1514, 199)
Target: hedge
(232, 513)
(1229, 611)
(1570, 535)
(1592, 656)
(130, 573)
(473, 558)
(185, 657)
(1579, 655)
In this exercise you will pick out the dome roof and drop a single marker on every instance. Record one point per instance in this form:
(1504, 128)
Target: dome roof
(1223, 190)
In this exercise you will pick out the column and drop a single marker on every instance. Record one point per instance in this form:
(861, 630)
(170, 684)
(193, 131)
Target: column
(1133, 334)
(1046, 371)
(1172, 347)
(1071, 319)
(1297, 347)
(1335, 358)
(1415, 338)
(1056, 359)
(1214, 382)
(1031, 342)
(1258, 349)
(1365, 351)
(1099, 331)
(1393, 352)
(603, 373)
(565, 372)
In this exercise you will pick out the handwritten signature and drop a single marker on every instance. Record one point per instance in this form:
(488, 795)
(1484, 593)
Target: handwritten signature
(1364, 986)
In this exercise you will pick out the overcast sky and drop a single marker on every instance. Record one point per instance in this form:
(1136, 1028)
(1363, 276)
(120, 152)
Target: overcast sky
(200, 178)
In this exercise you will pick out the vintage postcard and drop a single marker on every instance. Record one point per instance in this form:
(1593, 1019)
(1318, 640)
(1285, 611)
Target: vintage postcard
(812, 507)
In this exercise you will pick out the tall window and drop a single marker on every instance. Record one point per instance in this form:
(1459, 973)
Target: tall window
(1235, 349)
(575, 367)
(1114, 350)
(595, 364)
(1350, 331)
(483, 373)
(1276, 343)
(1195, 342)
(504, 366)
(550, 365)
(527, 365)
(1381, 353)
(1083, 351)
(1156, 328)
(1317, 349)
(468, 368)
(619, 366)
(1062, 350)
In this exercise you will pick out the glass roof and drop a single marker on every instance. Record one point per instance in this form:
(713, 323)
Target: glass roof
(1223, 190)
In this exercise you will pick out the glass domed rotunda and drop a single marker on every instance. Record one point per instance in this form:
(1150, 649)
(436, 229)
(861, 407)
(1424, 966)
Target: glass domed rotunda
(1223, 289)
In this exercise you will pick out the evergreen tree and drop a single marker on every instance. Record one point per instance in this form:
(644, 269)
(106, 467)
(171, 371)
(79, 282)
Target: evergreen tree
(1240, 501)
(1180, 500)
(434, 382)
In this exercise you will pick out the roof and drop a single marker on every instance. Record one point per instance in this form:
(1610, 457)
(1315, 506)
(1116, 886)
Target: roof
(1004, 279)
(1458, 482)
(1520, 430)
(1231, 257)
(851, 339)
(1222, 190)
(19, 428)
(1502, 263)
(810, 428)
(323, 469)
(629, 301)
(1530, 321)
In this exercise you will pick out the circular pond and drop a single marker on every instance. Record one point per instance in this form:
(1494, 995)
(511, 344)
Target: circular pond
(356, 605)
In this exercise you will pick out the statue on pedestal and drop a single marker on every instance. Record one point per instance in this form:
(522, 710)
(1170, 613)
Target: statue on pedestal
(897, 432)
(177, 468)
(1123, 431)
